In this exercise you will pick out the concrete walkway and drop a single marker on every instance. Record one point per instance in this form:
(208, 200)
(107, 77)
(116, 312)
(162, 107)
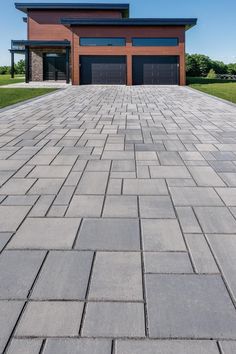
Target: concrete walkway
(118, 223)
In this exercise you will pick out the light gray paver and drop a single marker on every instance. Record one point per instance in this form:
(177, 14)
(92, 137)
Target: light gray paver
(148, 171)
(114, 319)
(189, 306)
(116, 276)
(11, 217)
(167, 262)
(216, 220)
(195, 196)
(200, 253)
(228, 347)
(205, 176)
(18, 270)
(166, 347)
(46, 186)
(159, 207)
(224, 247)
(92, 183)
(162, 235)
(17, 186)
(25, 346)
(144, 187)
(77, 346)
(9, 313)
(50, 319)
(64, 276)
(121, 207)
(188, 220)
(53, 233)
(109, 234)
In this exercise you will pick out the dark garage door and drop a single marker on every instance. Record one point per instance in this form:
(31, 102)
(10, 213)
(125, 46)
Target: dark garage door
(99, 70)
(155, 70)
(54, 66)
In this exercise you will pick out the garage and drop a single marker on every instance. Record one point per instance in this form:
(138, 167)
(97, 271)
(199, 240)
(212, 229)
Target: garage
(155, 70)
(103, 70)
(54, 66)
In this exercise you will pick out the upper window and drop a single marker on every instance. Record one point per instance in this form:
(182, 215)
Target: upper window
(98, 41)
(155, 42)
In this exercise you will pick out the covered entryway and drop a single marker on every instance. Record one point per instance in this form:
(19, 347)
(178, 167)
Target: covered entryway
(54, 66)
(103, 70)
(155, 70)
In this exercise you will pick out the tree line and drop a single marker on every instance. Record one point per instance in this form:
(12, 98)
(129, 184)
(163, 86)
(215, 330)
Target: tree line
(196, 65)
(201, 65)
(19, 68)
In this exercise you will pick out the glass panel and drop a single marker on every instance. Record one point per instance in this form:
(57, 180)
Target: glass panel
(89, 41)
(155, 42)
(17, 46)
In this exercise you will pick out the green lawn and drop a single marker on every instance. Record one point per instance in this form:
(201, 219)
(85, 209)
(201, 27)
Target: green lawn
(220, 88)
(9, 96)
(6, 79)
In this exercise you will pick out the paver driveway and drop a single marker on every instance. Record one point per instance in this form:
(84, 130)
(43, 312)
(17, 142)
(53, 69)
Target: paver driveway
(118, 223)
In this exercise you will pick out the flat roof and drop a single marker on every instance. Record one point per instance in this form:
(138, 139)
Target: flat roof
(34, 43)
(25, 7)
(187, 22)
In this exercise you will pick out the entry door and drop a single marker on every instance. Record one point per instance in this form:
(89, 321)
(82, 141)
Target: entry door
(103, 70)
(155, 70)
(54, 66)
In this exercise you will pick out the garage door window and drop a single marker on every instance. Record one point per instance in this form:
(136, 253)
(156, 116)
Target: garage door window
(155, 42)
(98, 41)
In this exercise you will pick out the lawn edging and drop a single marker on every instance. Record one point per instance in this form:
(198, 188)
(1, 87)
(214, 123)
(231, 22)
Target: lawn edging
(16, 105)
(212, 96)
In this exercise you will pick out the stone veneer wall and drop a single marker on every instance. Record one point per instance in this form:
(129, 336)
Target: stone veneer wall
(36, 62)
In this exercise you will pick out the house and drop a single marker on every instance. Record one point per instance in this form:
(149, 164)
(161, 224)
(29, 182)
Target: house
(100, 44)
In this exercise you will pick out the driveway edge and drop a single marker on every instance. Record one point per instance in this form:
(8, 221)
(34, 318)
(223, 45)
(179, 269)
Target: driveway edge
(16, 105)
(215, 97)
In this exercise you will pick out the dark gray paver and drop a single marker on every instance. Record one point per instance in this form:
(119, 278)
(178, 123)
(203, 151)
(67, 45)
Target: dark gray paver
(189, 306)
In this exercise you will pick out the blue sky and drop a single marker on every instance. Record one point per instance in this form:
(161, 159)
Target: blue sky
(215, 34)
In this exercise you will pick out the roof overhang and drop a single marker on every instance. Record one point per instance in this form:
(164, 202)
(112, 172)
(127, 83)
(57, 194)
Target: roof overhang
(19, 45)
(187, 22)
(25, 7)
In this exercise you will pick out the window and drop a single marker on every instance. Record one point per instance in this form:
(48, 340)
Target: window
(98, 41)
(155, 42)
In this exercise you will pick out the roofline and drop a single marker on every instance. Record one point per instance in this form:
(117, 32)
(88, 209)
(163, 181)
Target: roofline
(187, 22)
(25, 7)
(35, 43)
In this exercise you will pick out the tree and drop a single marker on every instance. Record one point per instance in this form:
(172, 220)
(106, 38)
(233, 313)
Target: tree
(20, 67)
(231, 69)
(212, 74)
(192, 68)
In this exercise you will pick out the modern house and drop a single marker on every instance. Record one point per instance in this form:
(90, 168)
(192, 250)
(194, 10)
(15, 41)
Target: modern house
(100, 44)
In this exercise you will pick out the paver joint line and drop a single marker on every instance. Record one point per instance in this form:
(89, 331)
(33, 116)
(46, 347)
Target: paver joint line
(118, 223)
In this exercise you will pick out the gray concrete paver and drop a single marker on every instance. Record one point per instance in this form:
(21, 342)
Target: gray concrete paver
(106, 192)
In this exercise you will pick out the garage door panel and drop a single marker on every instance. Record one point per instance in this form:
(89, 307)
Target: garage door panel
(99, 70)
(155, 70)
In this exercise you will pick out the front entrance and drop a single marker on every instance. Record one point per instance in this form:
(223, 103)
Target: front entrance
(103, 70)
(54, 66)
(155, 70)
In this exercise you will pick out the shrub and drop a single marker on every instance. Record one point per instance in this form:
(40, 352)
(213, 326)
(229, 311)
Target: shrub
(212, 74)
